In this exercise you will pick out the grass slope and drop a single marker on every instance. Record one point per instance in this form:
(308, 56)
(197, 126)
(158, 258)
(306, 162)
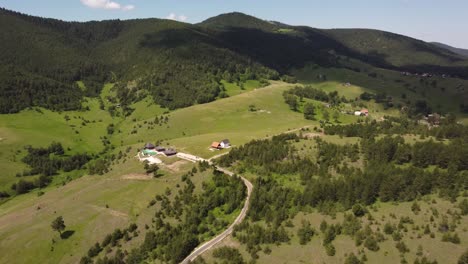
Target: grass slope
(193, 129)
(40, 127)
(82, 203)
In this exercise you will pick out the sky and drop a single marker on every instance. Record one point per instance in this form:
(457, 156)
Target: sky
(443, 21)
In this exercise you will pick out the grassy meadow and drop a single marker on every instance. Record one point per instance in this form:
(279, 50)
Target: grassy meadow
(193, 129)
(92, 207)
(39, 127)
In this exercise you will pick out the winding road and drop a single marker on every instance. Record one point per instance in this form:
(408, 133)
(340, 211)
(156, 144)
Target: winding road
(209, 244)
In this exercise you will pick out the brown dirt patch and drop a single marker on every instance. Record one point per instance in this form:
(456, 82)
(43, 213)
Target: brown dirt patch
(175, 167)
(110, 211)
(137, 177)
(312, 135)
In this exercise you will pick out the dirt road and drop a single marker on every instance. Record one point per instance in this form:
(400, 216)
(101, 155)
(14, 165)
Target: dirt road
(209, 244)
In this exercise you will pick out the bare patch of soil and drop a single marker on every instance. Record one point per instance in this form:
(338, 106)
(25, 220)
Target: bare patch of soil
(137, 176)
(175, 167)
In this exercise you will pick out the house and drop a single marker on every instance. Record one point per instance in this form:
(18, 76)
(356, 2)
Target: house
(149, 146)
(169, 152)
(357, 113)
(225, 143)
(434, 119)
(364, 112)
(215, 145)
(326, 105)
(160, 149)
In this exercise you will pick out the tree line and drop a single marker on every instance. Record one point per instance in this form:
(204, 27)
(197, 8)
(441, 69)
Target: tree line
(46, 162)
(448, 129)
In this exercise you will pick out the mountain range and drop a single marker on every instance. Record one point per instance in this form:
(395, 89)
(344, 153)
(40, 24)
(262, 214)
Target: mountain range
(44, 61)
(462, 52)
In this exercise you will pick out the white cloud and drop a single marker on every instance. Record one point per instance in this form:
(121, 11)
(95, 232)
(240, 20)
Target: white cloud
(173, 16)
(106, 4)
(128, 7)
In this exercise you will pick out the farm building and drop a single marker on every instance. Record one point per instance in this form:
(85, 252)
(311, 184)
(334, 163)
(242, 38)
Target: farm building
(149, 146)
(160, 149)
(169, 152)
(362, 112)
(215, 145)
(225, 143)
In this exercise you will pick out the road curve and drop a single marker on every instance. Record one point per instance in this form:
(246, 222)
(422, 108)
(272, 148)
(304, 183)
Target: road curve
(209, 244)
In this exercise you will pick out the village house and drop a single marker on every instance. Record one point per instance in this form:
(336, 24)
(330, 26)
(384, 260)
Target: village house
(362, 112)
(215, 145)
(169, 152)
(225, 143)
(149, 146)
(160, 149)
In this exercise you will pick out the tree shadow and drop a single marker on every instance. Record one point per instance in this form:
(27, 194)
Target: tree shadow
(158, 175)
(67, 234)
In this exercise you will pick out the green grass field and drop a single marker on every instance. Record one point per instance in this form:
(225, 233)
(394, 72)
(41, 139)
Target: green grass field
(81, 133)
(233, 89)
(193, 129)
(126, 190)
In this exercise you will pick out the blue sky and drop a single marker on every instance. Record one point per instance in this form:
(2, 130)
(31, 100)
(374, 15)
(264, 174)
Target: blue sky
(430, 20)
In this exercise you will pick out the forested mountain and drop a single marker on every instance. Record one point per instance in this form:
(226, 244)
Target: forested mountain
(180, 64)
(397, 50)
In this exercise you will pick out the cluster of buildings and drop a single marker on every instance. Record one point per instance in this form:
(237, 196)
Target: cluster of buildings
(225, 143)
(423, 75)
(362, 112)
(151, 150)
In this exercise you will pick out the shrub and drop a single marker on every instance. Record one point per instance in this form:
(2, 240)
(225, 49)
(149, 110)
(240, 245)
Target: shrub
(352, 259)
(371, 244)
(447, 237)
(358, 210)
(330, 249)
(229, 254)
